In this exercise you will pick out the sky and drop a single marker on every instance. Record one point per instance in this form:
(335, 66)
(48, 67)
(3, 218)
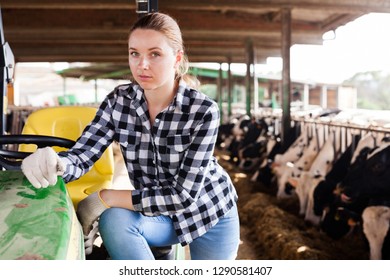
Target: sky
(361, 45)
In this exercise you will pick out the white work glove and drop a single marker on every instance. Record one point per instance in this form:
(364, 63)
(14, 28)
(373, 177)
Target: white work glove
(42, 167)
(89, 210)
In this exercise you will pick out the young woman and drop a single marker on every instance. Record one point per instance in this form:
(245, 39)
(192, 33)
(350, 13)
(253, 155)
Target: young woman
(167, 132)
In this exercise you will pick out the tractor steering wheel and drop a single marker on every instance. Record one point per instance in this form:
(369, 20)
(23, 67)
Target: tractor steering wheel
(12, 160)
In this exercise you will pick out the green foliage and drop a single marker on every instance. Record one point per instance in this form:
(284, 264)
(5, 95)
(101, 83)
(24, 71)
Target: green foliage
(373, 89)
(210, 90)
(69, 99)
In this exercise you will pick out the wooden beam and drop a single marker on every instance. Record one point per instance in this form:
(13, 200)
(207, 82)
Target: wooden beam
(213, 30)
(123, 19)
(68, 4)
(336, 20)
(249, 6)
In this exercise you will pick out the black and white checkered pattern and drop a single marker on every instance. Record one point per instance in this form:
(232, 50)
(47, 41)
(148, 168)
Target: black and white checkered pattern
(171, 165)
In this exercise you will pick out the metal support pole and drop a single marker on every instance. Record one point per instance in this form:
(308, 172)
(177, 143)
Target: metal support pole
(229, 87)
(219, 97)
(306, 97)
(64, 86)
(324, 96)
(96, 91)
(286, 82)
(7, 64)
(3, 78)
(250, 58)
(255, 85)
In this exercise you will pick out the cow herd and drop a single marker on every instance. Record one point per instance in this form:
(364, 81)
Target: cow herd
(339, 172)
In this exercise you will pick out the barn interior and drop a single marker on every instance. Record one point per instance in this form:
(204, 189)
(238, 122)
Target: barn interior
(247, 31)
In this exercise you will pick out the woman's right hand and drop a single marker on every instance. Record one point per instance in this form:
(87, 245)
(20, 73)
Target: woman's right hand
(42, 167)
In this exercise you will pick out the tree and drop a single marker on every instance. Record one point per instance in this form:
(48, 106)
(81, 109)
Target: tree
(373, 89)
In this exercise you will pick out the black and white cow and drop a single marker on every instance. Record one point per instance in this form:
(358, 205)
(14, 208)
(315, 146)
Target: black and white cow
(368, 183)
(324, 193)
(265, 173)
(253, 147)
(283, 164)
(371, 177)
(317, 172)
(376, 221)
(225, 131)
(230, 134)
(338, 214)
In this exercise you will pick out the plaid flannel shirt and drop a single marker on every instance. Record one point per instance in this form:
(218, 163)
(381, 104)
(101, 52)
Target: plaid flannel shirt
(171, 164)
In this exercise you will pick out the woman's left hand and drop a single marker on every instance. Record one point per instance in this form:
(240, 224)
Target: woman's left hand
(89, 210)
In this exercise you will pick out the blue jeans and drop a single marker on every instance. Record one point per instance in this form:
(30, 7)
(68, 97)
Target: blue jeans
(128, 235)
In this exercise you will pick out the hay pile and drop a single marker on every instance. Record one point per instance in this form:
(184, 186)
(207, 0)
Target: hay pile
(275, 230)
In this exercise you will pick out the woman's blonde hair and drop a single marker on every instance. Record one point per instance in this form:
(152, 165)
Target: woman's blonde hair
(168, 26)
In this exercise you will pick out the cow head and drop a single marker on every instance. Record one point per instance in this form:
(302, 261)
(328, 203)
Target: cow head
(368, 178)
(323, 196)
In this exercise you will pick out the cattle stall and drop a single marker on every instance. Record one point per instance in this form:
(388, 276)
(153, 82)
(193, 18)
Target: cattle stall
(321, 194)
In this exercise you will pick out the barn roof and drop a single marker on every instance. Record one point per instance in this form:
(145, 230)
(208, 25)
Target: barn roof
(213, 30)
